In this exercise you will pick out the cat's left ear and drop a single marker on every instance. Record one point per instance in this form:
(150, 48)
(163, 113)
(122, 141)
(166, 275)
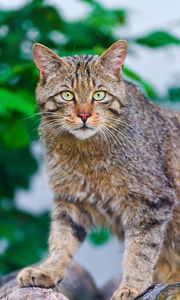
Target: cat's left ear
(113, 58)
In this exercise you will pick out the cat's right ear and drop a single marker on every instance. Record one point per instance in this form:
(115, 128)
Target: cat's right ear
(46, 61)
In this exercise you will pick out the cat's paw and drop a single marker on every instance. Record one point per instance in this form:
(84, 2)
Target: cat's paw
(125, 293)
(39, 277)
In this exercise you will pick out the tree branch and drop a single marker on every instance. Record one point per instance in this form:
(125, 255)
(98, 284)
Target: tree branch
(78, 285)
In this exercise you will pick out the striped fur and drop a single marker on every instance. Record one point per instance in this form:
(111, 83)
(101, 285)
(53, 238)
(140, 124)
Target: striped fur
(122, 169)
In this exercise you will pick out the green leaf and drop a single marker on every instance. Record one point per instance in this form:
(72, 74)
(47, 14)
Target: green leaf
(19, 69)
(99, 236)
(17, 166)
(15, 135)
(174, 94)
(171, 99)
(9, 231)
(158, 39)
(3, 267)
(17, 228)
(147, 87)
(18, 101)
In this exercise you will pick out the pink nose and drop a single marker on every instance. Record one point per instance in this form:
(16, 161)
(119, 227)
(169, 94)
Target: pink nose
(84, 116)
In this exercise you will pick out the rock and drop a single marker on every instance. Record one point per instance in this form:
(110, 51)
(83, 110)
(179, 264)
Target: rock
(108, 289)
(35, 294)
(79, 285)
(161, 292)
(154, 292)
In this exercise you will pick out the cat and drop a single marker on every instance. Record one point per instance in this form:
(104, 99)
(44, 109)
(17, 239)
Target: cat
(113, 158)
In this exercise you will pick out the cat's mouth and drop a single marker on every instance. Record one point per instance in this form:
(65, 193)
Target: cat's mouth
(84, 127)
(84, 132)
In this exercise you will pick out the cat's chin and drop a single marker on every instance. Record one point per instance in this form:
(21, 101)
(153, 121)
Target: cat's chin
(84, 134)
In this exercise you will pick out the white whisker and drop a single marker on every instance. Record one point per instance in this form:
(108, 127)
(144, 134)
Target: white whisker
(123, 135)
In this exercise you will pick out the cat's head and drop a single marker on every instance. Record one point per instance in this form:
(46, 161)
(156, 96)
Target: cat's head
(82, 95)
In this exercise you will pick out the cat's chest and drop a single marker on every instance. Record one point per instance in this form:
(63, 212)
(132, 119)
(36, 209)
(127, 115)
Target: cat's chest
(89, 180)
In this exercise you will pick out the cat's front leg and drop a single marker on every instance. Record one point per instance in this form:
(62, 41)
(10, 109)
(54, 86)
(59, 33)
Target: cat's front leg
(142, 248)
(69, 226)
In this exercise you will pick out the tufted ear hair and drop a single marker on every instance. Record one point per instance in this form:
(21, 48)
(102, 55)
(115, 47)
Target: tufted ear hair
(113, 58)
(47, 61)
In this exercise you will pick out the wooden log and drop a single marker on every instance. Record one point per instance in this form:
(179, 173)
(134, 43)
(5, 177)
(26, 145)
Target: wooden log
(79, 285)
(154, 292)
(35, 294)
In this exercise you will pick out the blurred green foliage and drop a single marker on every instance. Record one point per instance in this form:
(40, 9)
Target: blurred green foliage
(23, 237)
(100, 236)
(158, 39)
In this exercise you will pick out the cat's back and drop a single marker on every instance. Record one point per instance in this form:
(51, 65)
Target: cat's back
(152, 114)
(162, 126)
(173, 148)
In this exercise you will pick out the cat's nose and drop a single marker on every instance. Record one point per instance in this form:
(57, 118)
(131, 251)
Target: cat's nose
(84, 116)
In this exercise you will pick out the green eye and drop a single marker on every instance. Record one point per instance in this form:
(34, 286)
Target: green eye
(99, 95)
(66, 95)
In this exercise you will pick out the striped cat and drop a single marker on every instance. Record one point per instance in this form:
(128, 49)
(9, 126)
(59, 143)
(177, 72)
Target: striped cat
(113, 158)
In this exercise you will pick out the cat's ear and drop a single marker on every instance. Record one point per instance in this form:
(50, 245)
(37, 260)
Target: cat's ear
(46, 60)
(113, 58)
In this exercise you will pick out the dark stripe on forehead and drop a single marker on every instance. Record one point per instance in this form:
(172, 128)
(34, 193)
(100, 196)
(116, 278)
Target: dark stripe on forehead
(90, 58)
(93, 82)
(75, 58)
(77, 66)
(87, 61)
(82, 69)
(72, 60)
(76, 70)
(72, 82)
(87, 71)
(86, 56)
